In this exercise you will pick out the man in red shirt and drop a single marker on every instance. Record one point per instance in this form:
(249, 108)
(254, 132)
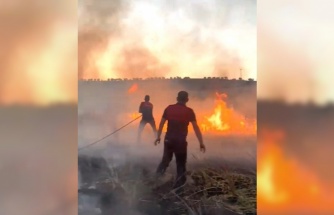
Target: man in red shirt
(178, 116)
(146, 109)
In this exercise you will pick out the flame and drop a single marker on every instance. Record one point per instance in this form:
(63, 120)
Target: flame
(133, 88)
(165, 51)
(285, 185)
(227, 121)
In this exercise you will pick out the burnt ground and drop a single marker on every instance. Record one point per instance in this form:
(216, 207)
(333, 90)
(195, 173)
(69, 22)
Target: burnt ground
(118, 181)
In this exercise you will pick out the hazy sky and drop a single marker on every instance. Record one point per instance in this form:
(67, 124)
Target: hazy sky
(295, 50)
(126, 38)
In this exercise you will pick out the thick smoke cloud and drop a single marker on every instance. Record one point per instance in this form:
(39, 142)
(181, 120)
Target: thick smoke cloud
(38, 160)
(38, 51)
(38, 153)
(295, 49)
(123, 39)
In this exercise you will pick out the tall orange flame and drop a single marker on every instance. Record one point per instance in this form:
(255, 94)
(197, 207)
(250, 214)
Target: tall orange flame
(226, 120)
(285, 185)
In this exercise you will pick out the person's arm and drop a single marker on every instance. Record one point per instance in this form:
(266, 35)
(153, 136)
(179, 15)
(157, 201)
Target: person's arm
(197, 131)
(161, 126)
(198, 135)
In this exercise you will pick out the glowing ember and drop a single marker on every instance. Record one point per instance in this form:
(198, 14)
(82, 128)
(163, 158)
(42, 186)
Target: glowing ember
(225, 120)
(133, 88)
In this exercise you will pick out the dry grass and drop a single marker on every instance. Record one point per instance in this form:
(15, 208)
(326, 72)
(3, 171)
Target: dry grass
(207, 191)
(217, 189)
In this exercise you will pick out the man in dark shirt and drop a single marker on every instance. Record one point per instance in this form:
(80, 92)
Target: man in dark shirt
(178, 117)
(146, 109)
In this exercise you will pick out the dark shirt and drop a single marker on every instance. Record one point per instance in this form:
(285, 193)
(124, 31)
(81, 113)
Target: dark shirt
(178, 117)
(146, 108)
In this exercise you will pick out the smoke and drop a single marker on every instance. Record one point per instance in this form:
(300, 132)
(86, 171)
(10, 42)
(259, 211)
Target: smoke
(38, 67)
(124, 39)
(293, 56)
(294, 49)
(103, 109)
(308, 133)
(38, 157)
(38, 52)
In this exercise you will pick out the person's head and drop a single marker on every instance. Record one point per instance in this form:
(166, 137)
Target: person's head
(182, 97)
(147, 98)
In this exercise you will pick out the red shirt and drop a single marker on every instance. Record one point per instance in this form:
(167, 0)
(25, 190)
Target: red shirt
(178, 117)
(146, 108)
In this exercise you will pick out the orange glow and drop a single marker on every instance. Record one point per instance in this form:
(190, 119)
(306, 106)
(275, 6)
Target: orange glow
(44, 74)
(135, 115)
(161, 53)
(133, 88)
(226, 120)
(285, 185)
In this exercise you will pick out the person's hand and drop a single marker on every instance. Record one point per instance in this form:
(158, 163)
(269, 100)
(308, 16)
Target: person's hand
(157, 141)
(202, 147)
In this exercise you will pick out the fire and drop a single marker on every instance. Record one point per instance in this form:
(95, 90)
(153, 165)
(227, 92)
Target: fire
(265, 179)
(133, 88)
(135, 115)
(285, 185)
(227, 121)
(160, 52)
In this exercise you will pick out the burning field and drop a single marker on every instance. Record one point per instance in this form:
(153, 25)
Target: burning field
(215, 38)
(117, 174)
(293, 157)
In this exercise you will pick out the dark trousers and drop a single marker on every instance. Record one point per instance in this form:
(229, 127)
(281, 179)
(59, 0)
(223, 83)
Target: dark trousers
(142, 125)
(178, 147)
